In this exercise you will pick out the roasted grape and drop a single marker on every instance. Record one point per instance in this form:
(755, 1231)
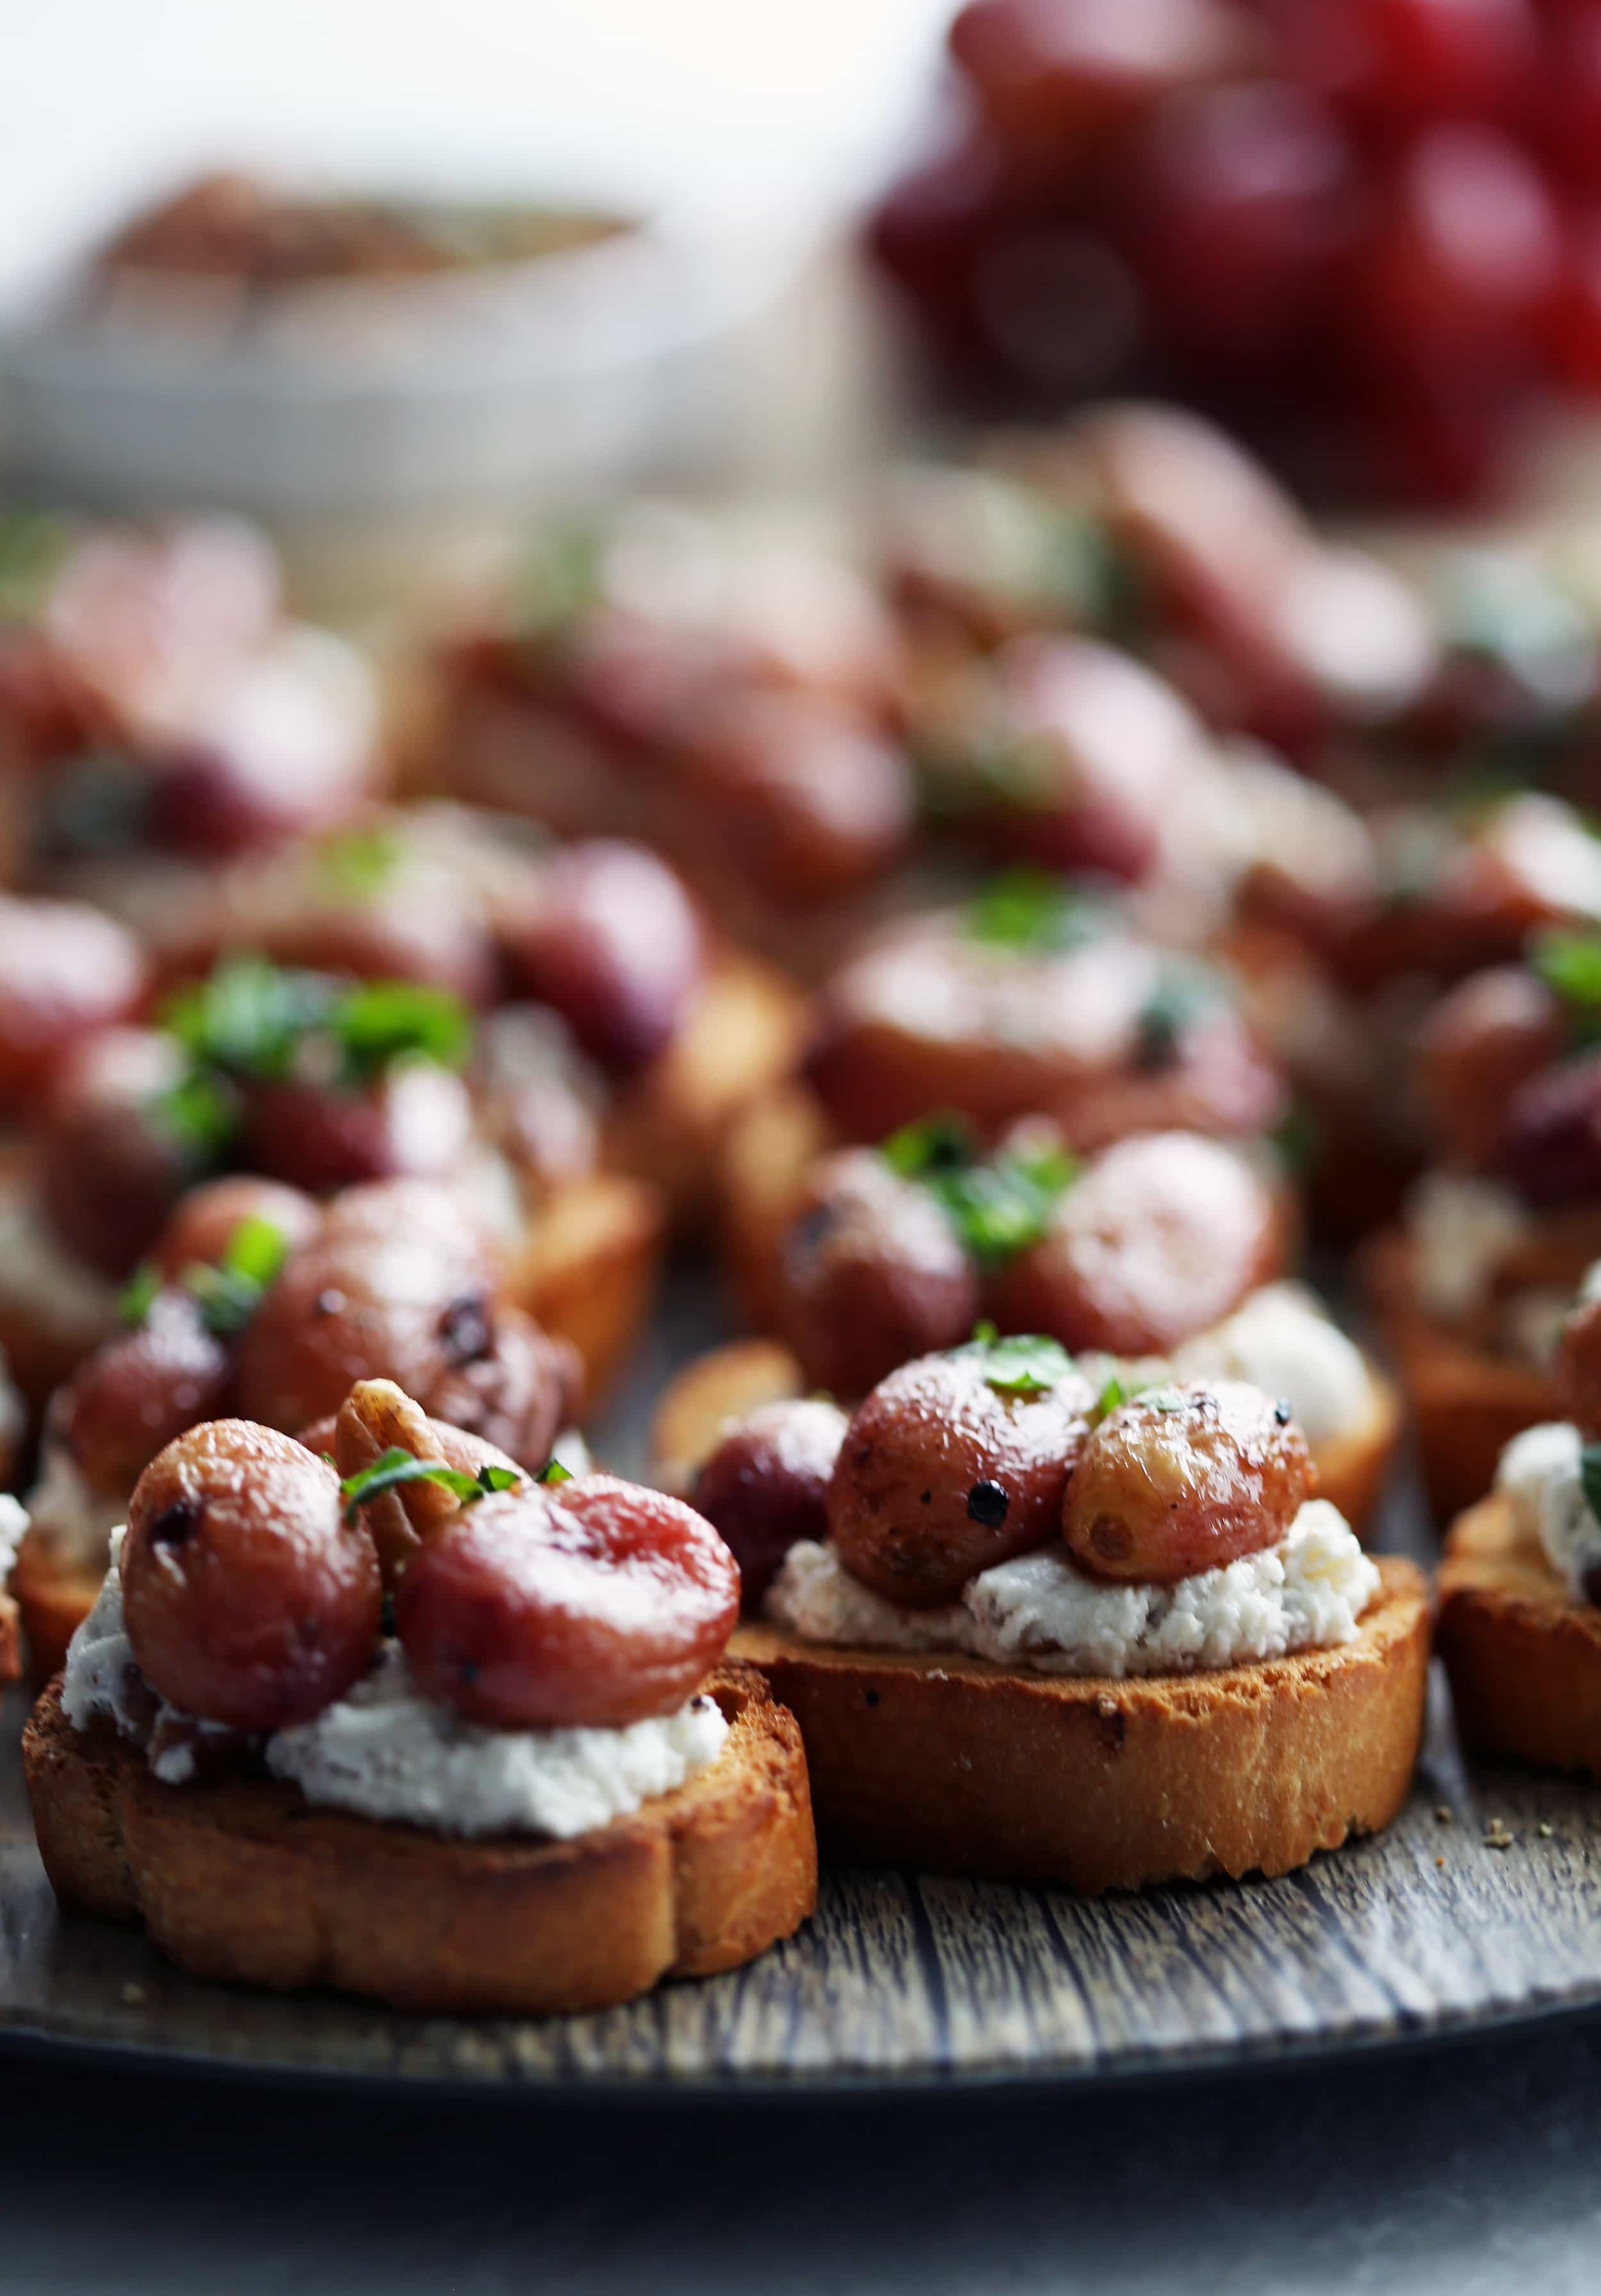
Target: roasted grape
(141, 1388)
(871, 1273)
(943, 1472)
(593, 1602)
(248, 1600)
(614, 944)
(1479, 1044)
(1549, 1145)
(120, 1140)
(205, 1222)
(416, 1120)
(765, 1485)
(1184, 1479)
(1157, 1238)
(64, 971)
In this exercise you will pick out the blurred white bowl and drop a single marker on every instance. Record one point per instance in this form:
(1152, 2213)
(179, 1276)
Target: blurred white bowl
(501, 383)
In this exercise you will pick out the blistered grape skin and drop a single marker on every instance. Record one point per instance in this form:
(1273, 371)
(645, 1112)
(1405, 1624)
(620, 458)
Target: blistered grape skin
(1549, 1144)
(205, 1222)
(248, 1598)
(765, 1485)
(415, 1122)
(614, 946)
(589, 1603)
(940, 1476)
(871, 1273)
(1159, 1237)
(1183, 1479)
(110, 1164)
(140, 1390)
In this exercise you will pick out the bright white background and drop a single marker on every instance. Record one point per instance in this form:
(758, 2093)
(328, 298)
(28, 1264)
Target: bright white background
(764, 106)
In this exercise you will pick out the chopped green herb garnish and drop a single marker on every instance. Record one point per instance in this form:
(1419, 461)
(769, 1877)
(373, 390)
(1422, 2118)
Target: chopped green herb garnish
(1024, 1363)
(395, 1467)
(560, 577)
(552, 1472)
(379, 1022)
(33, 547)
(247, 1017)
(1298, 1138)
(1173, 1006)
(937, 1144)
(1569, 965)
(229, 1293)
(137, 1295)
(357, 863)
(1031, 909)
(1114, 1394)
(997, 1209)
(198, 1114)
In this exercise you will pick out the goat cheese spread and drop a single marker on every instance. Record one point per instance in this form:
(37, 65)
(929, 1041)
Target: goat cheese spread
(1280, 1340)
(383, 1750)
(1041, 1612)
(1540, 1476)
(13, 1522)
(1463, 1228)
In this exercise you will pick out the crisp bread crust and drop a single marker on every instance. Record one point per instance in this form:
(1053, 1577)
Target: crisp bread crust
(1466, 1404)
(247, 1882)
(959, 1765)
(1522, 1652)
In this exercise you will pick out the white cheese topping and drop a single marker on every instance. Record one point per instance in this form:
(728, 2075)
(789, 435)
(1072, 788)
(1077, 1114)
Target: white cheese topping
(13, 1522)
(1043, 1613)
(41, 1281)
(69, 1513)
(1463, 1228)
(1281, 1340)
(1540, 1476)
(385, 1752)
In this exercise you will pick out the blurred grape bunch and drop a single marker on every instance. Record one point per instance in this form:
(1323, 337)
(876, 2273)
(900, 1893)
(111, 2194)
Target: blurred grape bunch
(1366, 233)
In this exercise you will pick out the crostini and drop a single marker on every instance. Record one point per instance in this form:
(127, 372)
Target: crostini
(1520, 1626)
(1165, 1244)
(257, 1297)
(544, 1791)
(1041, 1629)
(1472, 1285)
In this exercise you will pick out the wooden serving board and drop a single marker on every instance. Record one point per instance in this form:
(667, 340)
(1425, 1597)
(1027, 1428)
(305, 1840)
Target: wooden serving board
(1491, 1915)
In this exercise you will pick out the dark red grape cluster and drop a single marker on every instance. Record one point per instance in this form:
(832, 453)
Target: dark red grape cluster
(1367, 233)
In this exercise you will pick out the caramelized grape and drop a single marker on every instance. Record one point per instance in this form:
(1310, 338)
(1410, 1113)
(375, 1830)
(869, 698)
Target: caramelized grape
(505, 1381)
(247, 1599)
(416, 1120)
(766, 1485)
(118, 1146)
(942, 1474)
(204, 1223)
(1157, 1238)
(64, 971)
(1550, 1137)
(1184, 1479)
(614, 946)
(871, 1273)
(1480, 1044)
(139, 1389)
(589, 1602)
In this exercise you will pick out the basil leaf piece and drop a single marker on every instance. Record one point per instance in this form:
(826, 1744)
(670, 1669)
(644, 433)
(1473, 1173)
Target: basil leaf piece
(247, 1017)
(256, 1251)
(355, 864)
(499, 1478)
(229, 1294)
(1111, 1395)
(997, 1209)
(394, 1468)
(1031, 909)
(379, 1022)
(1590, 1477)
(1569, 965)
(137, 1295)
(1174, 1006)
(1022, 1364)
(198, 1115)
(935, 1143)
(552, 1472)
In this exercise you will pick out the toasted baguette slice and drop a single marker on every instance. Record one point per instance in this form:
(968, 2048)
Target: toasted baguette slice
(1466, 1404)
(716, 1388)
(247, 1883)
(587, 1266)
(958, 1766)
(1523, 1654)
(53, 1604)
